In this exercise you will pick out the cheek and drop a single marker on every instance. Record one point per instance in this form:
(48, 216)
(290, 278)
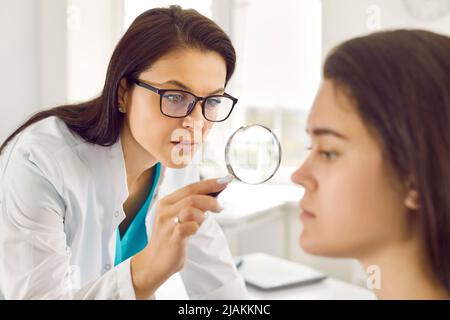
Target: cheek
(149, 127)
(356, 207)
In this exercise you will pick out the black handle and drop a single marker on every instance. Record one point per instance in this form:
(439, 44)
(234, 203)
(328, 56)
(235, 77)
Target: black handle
(215, 194)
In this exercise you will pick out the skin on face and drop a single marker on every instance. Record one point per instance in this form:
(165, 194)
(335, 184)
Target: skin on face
(356, 203)
(201, 72)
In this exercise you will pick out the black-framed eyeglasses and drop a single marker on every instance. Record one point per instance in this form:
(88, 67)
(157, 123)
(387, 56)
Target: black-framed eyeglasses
(180, 103)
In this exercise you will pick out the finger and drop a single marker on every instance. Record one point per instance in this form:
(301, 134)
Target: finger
(184, 209)
(201, 202)
(191, 214)
(201, 187)
(186, 229)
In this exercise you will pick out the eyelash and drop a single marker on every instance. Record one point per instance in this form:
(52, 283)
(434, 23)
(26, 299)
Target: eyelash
(326, 154)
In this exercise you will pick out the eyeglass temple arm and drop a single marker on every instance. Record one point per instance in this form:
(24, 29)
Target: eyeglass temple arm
(143, 84)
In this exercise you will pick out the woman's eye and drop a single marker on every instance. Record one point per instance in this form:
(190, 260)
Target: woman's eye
(328, 155)
(213, 102)
(174, 98)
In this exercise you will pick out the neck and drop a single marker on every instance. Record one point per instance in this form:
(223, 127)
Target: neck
(405, 272)
(138, 162)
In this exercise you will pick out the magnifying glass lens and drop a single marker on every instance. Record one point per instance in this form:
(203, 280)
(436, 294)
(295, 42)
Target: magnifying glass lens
(253, 154)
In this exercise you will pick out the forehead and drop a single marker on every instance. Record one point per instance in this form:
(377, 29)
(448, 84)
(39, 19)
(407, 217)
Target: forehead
(333, 109)
(200, 70)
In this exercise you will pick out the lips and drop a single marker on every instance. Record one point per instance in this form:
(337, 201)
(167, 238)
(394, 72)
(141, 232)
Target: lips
(185, 146)
(305, 214)
(185, 143)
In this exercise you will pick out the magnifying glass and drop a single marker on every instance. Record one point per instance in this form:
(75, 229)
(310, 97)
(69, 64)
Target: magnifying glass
(252, 154)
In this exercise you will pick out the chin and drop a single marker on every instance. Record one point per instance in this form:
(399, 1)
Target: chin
(311, 246)
(179, 160)
(307, 245)
(176, 166)
(169, 163)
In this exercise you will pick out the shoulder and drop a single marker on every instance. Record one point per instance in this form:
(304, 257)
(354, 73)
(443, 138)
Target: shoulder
(40, 144)
(51, 134)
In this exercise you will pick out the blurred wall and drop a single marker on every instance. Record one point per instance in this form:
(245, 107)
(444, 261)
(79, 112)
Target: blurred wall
(29, 63)
(345, 19)
(93, 28)
(53, 52)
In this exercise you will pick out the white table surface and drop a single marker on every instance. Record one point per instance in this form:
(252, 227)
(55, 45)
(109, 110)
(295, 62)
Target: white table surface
(268, 271)
(328, 289)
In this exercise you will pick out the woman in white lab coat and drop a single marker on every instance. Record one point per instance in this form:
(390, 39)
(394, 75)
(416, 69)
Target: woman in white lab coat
(377, 178)
(100, 200)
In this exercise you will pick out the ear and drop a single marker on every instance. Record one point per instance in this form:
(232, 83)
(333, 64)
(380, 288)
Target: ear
(122, 95)
(412, 196)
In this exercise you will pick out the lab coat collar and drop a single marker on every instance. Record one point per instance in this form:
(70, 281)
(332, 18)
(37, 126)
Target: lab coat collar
(116, 171)
(118, 175)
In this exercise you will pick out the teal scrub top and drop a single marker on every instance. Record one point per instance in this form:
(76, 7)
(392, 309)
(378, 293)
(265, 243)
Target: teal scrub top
(135, 237)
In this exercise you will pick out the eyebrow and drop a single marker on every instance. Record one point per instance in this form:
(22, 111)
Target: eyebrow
(185, 87)
(326, 131)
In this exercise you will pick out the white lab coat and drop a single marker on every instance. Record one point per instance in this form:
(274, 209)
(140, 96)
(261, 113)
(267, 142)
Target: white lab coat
(60, 205)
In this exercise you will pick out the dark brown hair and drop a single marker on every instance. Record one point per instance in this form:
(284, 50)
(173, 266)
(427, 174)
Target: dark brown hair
(153, 34)
(400, 82)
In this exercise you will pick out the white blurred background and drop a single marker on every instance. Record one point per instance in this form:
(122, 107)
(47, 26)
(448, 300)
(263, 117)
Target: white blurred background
(56, 51)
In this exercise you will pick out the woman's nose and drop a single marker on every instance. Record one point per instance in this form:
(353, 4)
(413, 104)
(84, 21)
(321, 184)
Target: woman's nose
(195, 118)
(302, 176)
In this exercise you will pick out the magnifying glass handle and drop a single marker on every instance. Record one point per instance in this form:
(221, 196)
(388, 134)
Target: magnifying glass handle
(215, 194)
(224, 180)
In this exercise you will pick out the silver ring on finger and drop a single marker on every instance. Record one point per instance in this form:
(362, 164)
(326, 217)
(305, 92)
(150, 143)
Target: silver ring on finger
(177, 220)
